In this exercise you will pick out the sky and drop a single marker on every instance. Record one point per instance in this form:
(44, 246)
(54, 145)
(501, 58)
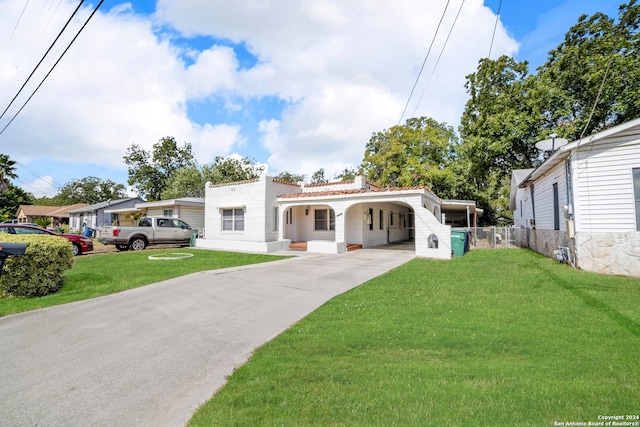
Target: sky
(295, 85)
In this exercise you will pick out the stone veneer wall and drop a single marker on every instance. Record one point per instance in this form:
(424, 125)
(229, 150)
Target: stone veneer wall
(547, 241)
(609, 253)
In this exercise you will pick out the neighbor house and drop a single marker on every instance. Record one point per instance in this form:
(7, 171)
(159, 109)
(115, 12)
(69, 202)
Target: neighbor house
(188, 209)
(584, 201)
(58, 215)
(266, 215)
(94, 216)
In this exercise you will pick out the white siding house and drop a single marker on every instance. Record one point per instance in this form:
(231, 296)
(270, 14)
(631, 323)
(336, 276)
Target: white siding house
(586, 196)
(188, 209)
(266, 215)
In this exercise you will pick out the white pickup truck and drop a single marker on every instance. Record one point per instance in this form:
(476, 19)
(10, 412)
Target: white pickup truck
(149, 231)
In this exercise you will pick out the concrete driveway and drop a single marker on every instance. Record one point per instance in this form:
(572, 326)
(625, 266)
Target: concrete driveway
(150, 356)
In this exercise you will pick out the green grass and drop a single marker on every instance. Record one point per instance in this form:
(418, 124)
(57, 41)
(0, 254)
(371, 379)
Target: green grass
(97, 275)
(494, 338)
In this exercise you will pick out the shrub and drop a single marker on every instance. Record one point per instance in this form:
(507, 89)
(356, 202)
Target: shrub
(40, 270)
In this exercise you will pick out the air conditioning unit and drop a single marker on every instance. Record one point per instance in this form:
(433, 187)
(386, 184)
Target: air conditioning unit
(531, 223)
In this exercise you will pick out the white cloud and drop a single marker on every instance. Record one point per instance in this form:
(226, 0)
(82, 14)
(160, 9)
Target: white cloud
(117, 85)
(345, 67)
(344, 70)
(41, 187)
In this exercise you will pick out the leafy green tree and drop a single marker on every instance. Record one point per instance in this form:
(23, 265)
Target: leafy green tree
(190, 180)
(224, 170)
(7, 170)
(150, 173)
(89, 190)
(419, 153)
(318, 177)
(11, 199)
(290, 177)
(502, 119)
(599, 60)
(347, 174)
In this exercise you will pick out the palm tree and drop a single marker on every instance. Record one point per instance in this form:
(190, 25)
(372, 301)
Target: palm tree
(7, 170)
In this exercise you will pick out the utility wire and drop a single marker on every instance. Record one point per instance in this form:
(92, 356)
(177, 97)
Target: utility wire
(42, 59)
(32, 172)
(494, 29)
(54, 66)
(593, 109)
(423, 62)
(438, 60)
(17, 22)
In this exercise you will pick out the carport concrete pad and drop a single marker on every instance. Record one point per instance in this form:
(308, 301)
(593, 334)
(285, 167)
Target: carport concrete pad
(150, 356)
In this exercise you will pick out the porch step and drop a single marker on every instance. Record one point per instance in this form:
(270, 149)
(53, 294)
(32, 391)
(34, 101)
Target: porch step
(302, 246)
(298, 246)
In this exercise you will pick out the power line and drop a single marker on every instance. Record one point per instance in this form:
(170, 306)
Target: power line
(423, 62)
(32, 172)
(42, 59)
(17, 22)
(53, 67)
(494, 29)
(438, 60)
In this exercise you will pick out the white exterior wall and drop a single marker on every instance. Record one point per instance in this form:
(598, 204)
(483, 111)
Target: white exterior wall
(258, 199)
(522, 215)
(603, 184)
(543, 194)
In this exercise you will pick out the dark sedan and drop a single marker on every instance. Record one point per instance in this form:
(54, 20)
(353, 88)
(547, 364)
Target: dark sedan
(79, 244)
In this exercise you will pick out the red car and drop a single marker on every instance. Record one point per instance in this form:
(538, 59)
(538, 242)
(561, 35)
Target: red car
(79, 244)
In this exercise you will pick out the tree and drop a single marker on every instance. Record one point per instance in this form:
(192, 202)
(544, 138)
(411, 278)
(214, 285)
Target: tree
(292, 178)
(318, 177)
(347, 174)
(420, 152)
(11, 199)
(229, 169)
(599, 59)
(150, 173)
(190, 181)
(89, 190)
(7, 170)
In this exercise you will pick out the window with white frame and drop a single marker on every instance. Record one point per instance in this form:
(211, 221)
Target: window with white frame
(168, 213)
(233, 219)
(325, 219)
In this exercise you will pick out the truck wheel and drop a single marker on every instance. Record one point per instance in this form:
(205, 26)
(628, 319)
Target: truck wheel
(137, 244)
(76, 250)
(122, 247)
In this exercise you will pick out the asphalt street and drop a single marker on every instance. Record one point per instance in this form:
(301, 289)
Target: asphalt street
(152, 355)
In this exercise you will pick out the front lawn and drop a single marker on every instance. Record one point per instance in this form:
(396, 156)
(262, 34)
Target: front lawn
(97, 275)
(494, 338)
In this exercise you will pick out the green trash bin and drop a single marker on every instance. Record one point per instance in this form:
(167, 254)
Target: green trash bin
(458, 242)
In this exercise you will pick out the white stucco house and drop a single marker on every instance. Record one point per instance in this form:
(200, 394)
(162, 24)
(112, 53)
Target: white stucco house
(267, 215)
(586, 197)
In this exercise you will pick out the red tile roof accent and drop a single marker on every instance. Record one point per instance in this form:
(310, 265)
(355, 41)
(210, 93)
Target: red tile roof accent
(354, 191)
(284, 182)
(227, 184)
(322, 184)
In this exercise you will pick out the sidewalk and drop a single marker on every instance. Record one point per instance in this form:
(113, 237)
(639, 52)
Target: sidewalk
(151, 355)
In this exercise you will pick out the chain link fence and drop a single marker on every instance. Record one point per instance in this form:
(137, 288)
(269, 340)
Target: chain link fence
(497, 237)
